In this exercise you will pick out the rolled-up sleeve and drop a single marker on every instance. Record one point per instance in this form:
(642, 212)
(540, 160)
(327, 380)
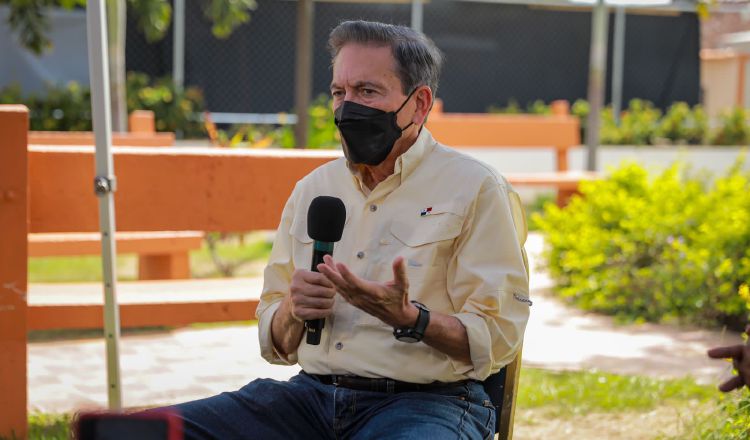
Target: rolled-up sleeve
(488, 279)
(276, 279)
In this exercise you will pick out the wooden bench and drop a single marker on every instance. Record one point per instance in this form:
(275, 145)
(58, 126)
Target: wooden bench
(567, 183)
(559, 132)
(144, 303)
(161, 254)
(170, 263)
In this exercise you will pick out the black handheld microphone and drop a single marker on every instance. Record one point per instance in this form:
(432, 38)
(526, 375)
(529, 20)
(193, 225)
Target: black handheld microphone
(325, 225)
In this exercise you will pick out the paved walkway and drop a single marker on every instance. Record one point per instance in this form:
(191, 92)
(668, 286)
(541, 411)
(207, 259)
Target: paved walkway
(194, 363)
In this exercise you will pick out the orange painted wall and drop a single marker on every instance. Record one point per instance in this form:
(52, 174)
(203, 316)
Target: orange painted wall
(13, 272)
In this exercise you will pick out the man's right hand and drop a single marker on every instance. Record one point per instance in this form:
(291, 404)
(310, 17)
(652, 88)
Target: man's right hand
(311, 296)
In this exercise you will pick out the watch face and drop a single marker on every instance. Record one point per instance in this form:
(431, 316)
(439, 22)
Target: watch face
(406, 335)
(405, 338)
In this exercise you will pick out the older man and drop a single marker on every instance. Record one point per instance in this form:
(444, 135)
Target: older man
(427, 293)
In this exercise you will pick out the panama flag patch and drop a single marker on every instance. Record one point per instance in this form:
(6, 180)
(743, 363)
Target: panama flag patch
(426, 211)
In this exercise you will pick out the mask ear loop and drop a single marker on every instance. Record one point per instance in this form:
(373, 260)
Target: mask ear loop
(406, 100)
(402, 106)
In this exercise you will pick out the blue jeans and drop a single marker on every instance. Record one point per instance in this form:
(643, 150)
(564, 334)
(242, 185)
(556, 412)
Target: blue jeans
(305, 408)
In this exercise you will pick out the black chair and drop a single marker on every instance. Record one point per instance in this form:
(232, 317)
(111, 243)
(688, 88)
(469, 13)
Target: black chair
(502, 387)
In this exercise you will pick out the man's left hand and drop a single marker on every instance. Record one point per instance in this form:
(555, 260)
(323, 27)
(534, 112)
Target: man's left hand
(388, 301)
(740, 355)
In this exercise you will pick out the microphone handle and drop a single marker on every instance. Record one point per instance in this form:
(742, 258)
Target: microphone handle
(315, 326)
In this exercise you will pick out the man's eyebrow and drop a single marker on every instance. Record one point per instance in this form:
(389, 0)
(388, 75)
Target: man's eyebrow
(360, 84)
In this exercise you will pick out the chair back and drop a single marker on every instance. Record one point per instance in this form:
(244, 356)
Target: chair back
(502, 387)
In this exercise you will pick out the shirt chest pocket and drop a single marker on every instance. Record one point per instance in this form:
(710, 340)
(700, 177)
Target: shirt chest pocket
(427, 240)
(302, 244)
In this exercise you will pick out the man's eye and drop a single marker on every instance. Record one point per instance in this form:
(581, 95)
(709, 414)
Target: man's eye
(337, 93)
(368, 92)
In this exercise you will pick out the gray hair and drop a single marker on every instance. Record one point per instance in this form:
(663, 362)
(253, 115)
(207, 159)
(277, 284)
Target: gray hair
(418, 60)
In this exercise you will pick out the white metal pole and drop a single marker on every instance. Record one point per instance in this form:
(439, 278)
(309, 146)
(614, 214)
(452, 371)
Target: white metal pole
(104, 187)
(178, 46)
(416, 15)
(597, 73)
(618, 63)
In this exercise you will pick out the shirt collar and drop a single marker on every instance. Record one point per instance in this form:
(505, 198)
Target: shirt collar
(410, 160)
(406, 163)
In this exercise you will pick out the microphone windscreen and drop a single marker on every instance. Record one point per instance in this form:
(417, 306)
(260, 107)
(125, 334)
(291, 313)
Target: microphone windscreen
(325, 219)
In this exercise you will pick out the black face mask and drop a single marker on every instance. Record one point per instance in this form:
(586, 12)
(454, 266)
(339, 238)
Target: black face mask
(368, 133)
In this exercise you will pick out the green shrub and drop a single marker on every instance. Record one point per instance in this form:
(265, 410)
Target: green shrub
(321, 131)
(175, 110)
(513, 108)
(732, 421)
(638, 123)
(59, 108)
(733, 128)
(643, 124)
(68, 107)
(683, 125)
(671, 248)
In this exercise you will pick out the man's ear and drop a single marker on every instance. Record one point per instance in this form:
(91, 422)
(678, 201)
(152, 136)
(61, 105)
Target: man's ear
(423, 98)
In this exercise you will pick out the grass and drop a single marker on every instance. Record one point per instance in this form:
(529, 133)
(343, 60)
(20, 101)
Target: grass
(575, 392)
(560, 394)
(246, 252)
(49, 426)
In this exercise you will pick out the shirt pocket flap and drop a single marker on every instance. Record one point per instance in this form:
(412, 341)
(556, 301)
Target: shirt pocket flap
(443, 222)
(298, 230)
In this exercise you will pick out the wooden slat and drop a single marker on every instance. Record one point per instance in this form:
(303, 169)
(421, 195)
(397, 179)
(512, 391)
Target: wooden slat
(67, 316)
(566, 180)
(13, 269)
(89, 243)
(480, 130)
(205, 189)
(87, 138)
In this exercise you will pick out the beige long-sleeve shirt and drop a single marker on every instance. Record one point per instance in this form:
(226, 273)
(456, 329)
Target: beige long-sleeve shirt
(460, 228)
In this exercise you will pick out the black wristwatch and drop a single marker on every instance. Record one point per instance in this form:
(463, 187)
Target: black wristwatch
(416, 333)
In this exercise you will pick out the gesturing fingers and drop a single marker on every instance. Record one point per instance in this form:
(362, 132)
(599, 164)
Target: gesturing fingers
(733, 383)
(331, 273)
(733, 351)
(345, 281)
(315, 278)
(399, 274)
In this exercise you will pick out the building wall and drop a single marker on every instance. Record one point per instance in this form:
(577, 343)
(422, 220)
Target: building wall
(722, 81)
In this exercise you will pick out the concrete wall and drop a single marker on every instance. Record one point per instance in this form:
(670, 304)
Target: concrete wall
(723, 80)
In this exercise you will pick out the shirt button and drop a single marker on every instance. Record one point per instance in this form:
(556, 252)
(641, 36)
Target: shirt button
(360, 255)
(373, 208)
(339, 346)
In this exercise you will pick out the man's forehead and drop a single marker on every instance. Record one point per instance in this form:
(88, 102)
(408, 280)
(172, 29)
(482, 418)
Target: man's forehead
(364, 63)
(365, 56)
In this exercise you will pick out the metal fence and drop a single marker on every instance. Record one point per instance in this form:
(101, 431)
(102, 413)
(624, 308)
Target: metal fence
(495, 53)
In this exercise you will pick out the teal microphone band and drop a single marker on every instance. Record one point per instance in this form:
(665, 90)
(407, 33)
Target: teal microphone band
(323, 246)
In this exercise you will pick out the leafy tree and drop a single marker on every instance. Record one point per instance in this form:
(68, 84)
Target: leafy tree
(29, 20)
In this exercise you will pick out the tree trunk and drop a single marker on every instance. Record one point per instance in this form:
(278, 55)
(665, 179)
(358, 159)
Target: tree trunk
(116, 22)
